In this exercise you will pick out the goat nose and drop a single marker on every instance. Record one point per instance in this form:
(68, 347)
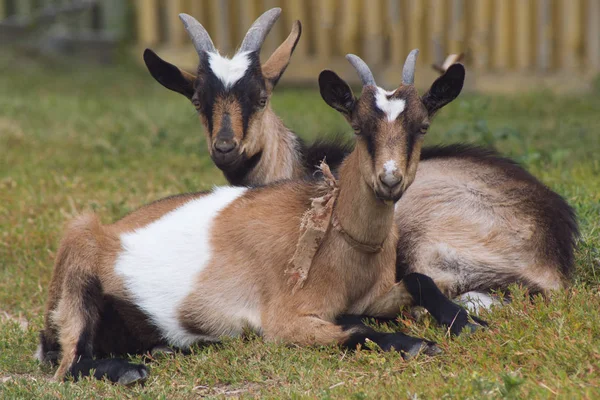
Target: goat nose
(224, 146)
(390, 180)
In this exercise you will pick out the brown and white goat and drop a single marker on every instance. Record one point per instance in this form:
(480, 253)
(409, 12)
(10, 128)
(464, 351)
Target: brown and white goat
(245, 138)
(497, 224)
(200, 266)
(471, 220)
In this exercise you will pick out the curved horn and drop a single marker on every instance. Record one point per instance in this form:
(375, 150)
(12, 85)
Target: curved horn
(408, 72)
(258, 31)
(200, 38)
(365, 74)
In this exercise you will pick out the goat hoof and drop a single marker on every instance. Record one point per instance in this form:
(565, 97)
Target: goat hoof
(480, 322)
(427, 348)
(418, 313)
(162, 352)
(137, 374)
(432, 350)
(461, 325)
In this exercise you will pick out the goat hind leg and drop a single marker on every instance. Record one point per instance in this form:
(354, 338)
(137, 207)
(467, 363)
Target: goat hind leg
(77, 316)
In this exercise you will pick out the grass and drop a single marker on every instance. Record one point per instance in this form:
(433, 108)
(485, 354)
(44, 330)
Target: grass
(111, 139)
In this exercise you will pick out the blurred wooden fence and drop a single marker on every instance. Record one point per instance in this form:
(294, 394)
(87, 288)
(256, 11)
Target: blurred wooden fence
(510, 44)
(91, 28)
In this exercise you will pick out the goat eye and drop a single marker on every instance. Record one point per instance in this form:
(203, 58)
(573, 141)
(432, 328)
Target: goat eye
(196, 104)
(423, 129)
(356, 129)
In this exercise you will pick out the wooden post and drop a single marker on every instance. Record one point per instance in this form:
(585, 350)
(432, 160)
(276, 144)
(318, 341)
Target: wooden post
(246, 16)
(457, 27)
(147, 21)
(373, 39)
(523, 33)
(593, 35)
(480, 43)
(544, 35)
(437, 32)
(569, 34)
(297, 11)
(502, 28)
(220, 26)
(175, 29)
(323, 19)
(414, 22)
(348, 26)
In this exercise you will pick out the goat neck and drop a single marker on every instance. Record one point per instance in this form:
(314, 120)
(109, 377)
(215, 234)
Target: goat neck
(359, 213)
(279, 149)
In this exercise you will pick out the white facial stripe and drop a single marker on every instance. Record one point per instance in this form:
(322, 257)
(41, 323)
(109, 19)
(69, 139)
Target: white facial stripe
(160, 262)
(229, 71)
(391, 107)
(389, 167)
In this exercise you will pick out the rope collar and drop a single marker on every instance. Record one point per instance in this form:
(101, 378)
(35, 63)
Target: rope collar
(358, 245)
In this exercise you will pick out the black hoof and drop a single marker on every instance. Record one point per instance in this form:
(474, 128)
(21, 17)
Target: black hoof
(408, 346)
(479, 321)
(162, 352)
(116, 370)
(133, 375)
(461, 324)
(427, 348)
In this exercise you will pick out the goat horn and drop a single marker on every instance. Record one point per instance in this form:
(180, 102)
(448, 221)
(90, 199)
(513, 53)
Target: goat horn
(408, 72)
(364, 72)
(259, 30)
(200, 38)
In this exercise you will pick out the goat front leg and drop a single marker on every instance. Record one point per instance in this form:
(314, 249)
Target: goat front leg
(420, 290)
(348, 331)
(427, 294)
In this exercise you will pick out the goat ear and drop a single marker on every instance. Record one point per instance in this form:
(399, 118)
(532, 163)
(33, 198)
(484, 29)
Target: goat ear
(336, 92)
(275, 66)
(445, 89)
(169, 75)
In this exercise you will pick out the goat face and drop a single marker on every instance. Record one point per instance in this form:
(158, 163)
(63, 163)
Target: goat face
(230, 95)
(389, 125)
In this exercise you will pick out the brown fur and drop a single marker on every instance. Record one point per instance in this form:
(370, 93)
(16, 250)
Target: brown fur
(89, 249)
(468, 225)
(252, 245)
(243, 272)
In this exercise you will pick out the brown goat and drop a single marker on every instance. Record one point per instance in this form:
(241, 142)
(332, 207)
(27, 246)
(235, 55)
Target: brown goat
(494, 224)
(245, 138)
(200, 266)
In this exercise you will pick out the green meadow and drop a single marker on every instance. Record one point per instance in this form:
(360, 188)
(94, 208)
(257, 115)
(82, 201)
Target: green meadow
(77, 137)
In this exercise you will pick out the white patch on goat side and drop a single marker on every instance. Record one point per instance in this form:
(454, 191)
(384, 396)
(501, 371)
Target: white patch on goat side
(391, 107)
(160, 262)
(229, 71)
(477, 301)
